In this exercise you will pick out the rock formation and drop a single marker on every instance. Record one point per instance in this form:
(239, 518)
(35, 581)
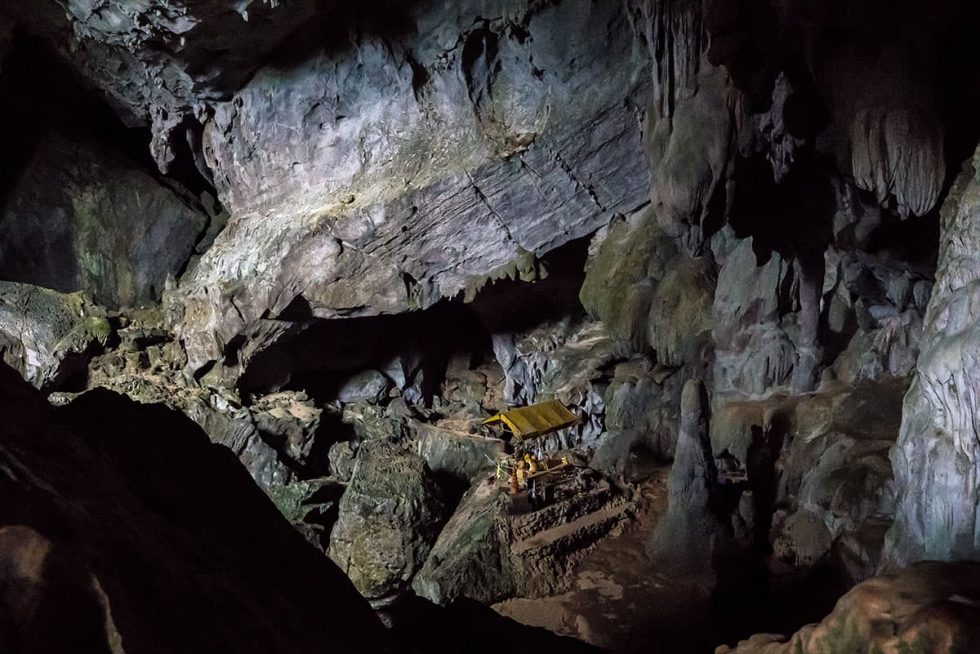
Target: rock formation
(925, 608)
(83, 218)
(936, 458)
(388, 519)
(690, 532)
(336, 238)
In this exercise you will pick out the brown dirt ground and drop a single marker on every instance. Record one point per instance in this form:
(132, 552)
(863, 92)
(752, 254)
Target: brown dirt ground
(623, 604)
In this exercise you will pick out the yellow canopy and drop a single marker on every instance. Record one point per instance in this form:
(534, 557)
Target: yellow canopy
(535, 420)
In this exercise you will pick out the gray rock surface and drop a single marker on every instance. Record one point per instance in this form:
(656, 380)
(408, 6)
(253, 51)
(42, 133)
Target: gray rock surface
(84, 218)
(936, 460)
(158, 61)
(642, 401)
(916, 609)
(470, 558)
(41, 330)
(690, 533)
(389, 519)
(753, 352)
(503, 112)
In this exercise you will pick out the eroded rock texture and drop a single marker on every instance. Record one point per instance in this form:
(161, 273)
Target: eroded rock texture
(159, 62)
(936, 459)
(389, 519)
(654, 211)
(502, 114)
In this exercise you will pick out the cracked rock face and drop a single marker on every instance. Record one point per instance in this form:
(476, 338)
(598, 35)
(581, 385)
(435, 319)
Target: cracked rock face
(514, 134)
(936, 461)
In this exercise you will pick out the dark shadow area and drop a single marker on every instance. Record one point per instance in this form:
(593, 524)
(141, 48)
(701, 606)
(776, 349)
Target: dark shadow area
(41, 95)
(509, 305)
(790, 217)
(326, 354)
(958, 85)
(337, 26)
(190, 554)
(50, 604)
(330, 430)
(470, 627)
(914, 241)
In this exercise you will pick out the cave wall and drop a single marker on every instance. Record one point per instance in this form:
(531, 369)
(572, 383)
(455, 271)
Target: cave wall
(760, 183)
(936, 457)
(84, 218)
(518, 129)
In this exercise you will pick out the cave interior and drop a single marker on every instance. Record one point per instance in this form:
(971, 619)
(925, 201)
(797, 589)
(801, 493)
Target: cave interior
(268, 267)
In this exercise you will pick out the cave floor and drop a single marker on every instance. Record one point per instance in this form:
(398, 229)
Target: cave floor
(623, 604)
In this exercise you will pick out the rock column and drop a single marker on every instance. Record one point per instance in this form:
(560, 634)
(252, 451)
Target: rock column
(937, 458)
(684, 539)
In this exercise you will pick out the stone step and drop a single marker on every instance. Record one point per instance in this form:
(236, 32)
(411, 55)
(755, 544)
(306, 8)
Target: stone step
(575, 535)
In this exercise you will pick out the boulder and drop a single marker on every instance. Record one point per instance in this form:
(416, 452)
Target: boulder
(463, 457)
(44, 333)
(470, 559)
(341, 456)
(389, 519)
(366, 386)
(84, 218)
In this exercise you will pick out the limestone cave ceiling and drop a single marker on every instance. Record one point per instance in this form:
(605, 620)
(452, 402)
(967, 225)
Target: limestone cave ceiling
(419, 148)
(738, 237)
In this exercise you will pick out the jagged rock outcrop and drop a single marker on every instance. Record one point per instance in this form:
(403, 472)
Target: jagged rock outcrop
(938, 455)
(85, 218)
(502, 114)
(753, 352)
(45, 334)
(642, 418)
(929, 607)
(124, 529)
(389, 518)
